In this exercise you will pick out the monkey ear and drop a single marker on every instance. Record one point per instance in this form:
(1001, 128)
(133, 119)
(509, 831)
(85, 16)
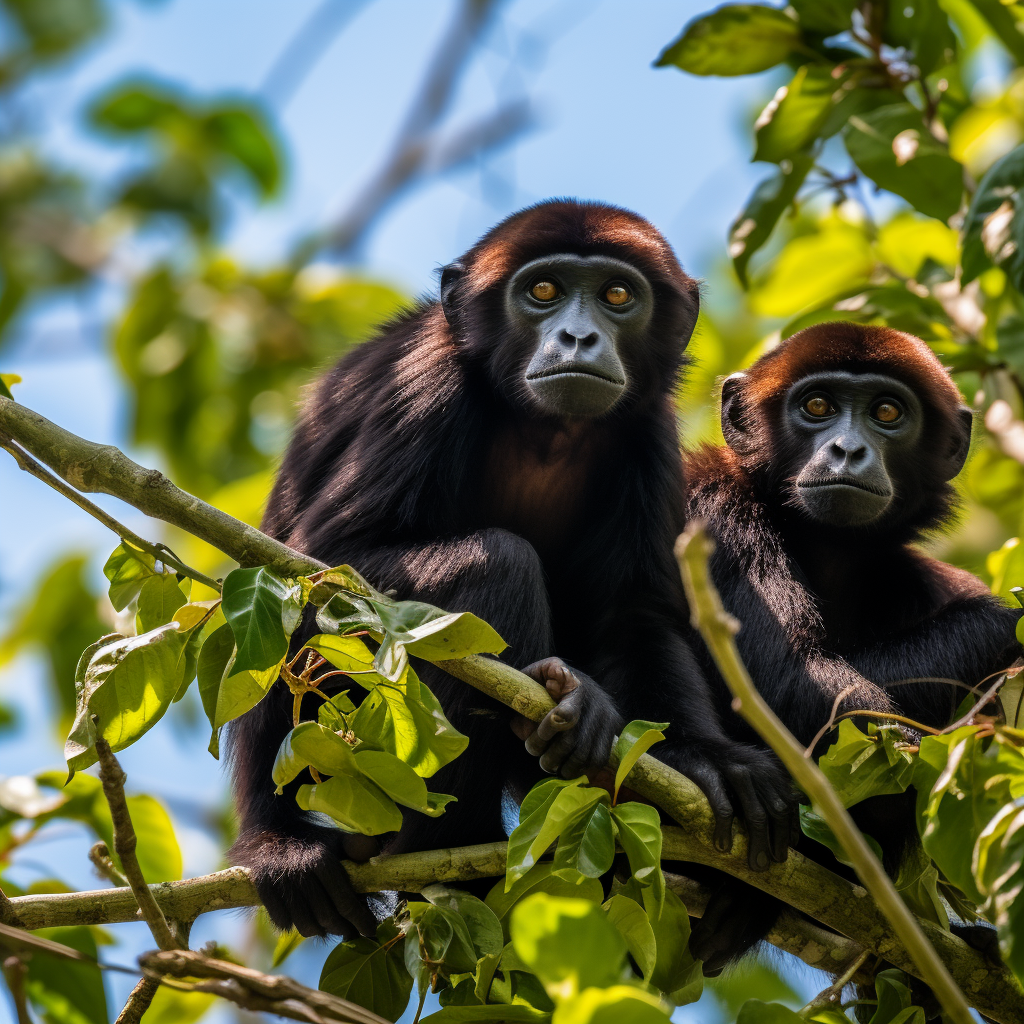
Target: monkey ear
(451, 276)
(735, 430)
(961, 442)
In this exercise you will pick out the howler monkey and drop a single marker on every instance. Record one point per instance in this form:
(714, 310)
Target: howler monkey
(509, 450)
(841, 446)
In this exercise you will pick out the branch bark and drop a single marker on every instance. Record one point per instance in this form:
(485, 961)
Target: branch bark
(803, 884)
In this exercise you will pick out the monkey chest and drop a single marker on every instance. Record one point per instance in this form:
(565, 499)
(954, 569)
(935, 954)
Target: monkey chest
(538, 491)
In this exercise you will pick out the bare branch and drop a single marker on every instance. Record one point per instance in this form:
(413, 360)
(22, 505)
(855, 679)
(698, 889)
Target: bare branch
(14, 974)
(99, 854)
(253, 990)
(125, 841)
(138, 1002)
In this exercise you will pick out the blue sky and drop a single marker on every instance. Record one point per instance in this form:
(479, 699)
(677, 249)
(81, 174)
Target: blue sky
(609, 127)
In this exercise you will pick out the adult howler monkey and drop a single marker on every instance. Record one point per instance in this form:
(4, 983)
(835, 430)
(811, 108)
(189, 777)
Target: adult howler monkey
(842, 443)
(509, 450)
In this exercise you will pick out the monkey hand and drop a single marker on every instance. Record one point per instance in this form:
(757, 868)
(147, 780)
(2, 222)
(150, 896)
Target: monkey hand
(577, 734)
(302, 884)
(738, 778)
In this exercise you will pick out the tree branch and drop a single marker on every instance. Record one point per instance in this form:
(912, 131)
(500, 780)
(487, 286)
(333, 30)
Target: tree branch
(718, 628)
(125, 842)
(160, 551)
(253, 990)
(799, 882)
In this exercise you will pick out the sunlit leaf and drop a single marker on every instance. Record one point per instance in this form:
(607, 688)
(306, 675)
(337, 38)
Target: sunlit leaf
(639, 835)
(633, 924)
(287, 943)
(736, 39)
(370, 972)
(355, 802)
(127, 569)
(797, 113)
(894, 149)
(67, 990)
(618, 1004)
(634, 741)
(860, 765)
(541, 878)
(159, 599)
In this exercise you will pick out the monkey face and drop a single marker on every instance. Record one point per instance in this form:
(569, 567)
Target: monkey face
(853, 432)
(578, 317)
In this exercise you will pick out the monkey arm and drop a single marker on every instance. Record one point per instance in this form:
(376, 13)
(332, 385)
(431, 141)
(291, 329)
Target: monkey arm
(967, 640)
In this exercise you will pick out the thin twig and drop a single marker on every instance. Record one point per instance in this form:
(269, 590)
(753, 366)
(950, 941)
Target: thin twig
(138, 1002)
(160, 551)
(99, 854)
(125, 841)
(831, 995)
(718, 629)
(14, 974)
(253, 990)
(844, 692)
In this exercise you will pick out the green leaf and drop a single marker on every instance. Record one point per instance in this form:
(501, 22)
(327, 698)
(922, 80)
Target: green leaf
(568, 943)
(134, 108)
(588, 845)
(994, 228)
(1005, 25)
(736, 39)
(815, 827)
(639, 835)
(370, 973)
(619, 1004)
(999, 872)
(541, 878)
(445, 946)
(242, 134)
(894, 149)
(795, 116)
(405, 719)
(560, 807)
(401, 782)
(635, 928)
(158, 851)
(309, 743)
(128, 685)
(504, 1014)
(287, 943)
(753, 227)
(263, 610)
(346, 653)
(860, 765)
(55, 27)
(7, 381)
(753, 1011)
(127, 569)
(355, 802)
(676, 972)
(824, 17)
(481, 922)
(634, 741)
(160, 597)
(68, 991)
(962, 784)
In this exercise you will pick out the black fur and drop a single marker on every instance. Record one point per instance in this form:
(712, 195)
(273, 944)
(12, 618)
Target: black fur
(419, 461)
(826, 608)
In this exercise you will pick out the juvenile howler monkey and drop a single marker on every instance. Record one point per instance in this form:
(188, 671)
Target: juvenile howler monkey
(509, 450)
(842, 444)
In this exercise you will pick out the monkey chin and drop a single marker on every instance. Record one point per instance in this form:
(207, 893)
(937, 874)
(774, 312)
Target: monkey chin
(575, 395)
(842, 505)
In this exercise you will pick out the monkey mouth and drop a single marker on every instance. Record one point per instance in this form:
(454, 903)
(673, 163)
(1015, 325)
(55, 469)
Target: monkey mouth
(576, 370)
(843, 481)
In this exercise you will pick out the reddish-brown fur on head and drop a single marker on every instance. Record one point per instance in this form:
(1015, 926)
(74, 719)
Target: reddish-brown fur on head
(924, 495)
(473, 288)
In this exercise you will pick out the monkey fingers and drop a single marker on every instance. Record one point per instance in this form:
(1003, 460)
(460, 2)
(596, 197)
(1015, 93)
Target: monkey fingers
(764, 823)
(713, 787)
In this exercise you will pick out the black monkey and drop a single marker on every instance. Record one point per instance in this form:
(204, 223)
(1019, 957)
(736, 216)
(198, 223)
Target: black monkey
(510, 450)
(842, 443)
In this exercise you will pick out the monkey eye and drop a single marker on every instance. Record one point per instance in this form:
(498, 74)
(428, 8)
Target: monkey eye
(818, 405)
(544, 291)
(617, 294)
(887, 412)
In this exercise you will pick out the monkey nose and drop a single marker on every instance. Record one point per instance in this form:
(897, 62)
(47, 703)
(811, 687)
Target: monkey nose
(582, 340)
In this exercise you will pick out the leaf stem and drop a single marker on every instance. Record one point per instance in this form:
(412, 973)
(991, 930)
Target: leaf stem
(718, 627)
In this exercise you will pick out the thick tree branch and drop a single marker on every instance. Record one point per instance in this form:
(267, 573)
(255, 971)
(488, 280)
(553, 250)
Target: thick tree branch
(799, 882)
(718, 628)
